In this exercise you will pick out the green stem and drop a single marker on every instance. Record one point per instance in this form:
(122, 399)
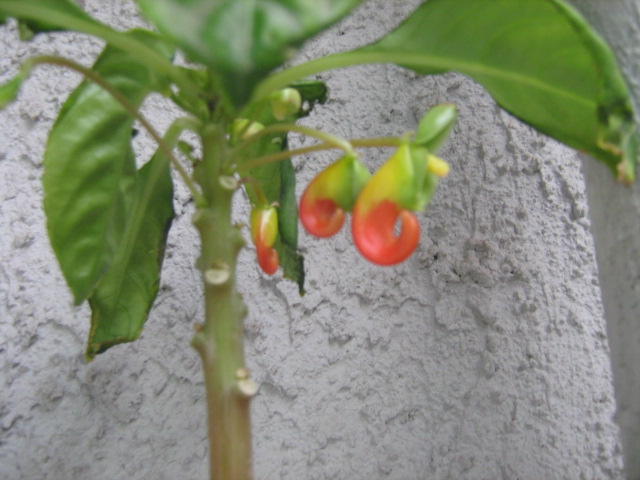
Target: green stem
(283, 155)
(327, 138)
(430, 63)
(128, 106)
(220, 340)
(377, 142)
(145, 54)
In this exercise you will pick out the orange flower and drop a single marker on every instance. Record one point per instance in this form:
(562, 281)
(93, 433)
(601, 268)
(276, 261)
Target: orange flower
(403, 184)
(330, 194)
(264, 231)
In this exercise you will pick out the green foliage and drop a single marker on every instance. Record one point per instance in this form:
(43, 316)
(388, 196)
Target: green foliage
(242, 41)
(125, 293)
(89, 169)
(538, 58)
(291, 260)
(98, 206)
(108, 221)
(540, 61)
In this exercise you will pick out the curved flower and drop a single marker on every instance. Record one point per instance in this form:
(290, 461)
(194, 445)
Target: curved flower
(403, 184)
(373, 233)
(264, 230)
(330, 194)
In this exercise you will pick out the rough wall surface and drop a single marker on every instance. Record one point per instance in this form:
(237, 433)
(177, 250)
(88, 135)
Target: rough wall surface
(483, 356)
(615, 214)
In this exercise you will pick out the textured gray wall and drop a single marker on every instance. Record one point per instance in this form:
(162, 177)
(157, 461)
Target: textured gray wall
(615, 214)
(483, 356)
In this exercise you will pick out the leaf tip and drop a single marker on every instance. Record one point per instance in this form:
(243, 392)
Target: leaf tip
(10, 90)
(625, 173)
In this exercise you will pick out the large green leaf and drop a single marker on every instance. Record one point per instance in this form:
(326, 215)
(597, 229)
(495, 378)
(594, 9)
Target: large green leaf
(89, 168)
(538, 58)
(122, 300)
(242, 40)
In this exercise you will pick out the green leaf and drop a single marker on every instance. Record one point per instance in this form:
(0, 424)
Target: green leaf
(122, 300)
(242, 40)
(538, 58)
(287, 245)
(89, 168)
(29, 25)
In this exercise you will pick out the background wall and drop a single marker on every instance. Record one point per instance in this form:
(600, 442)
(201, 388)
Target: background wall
(615, 215)
(483, 356)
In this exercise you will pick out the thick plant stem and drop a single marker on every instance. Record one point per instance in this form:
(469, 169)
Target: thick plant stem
(220, 339)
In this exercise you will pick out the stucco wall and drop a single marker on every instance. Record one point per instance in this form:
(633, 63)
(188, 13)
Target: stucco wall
(615, 215)
(483, 356)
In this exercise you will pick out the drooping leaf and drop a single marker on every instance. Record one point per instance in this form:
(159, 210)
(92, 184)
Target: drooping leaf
(23, 11)
(539, 59)
(122, 300)
(89, 168)
(277, 181)
(242, 40)
(287, 246)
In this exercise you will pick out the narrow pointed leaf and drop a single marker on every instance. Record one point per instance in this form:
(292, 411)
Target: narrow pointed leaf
(125, 294)
(89, 168)
(242, 40)
(287, 246)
